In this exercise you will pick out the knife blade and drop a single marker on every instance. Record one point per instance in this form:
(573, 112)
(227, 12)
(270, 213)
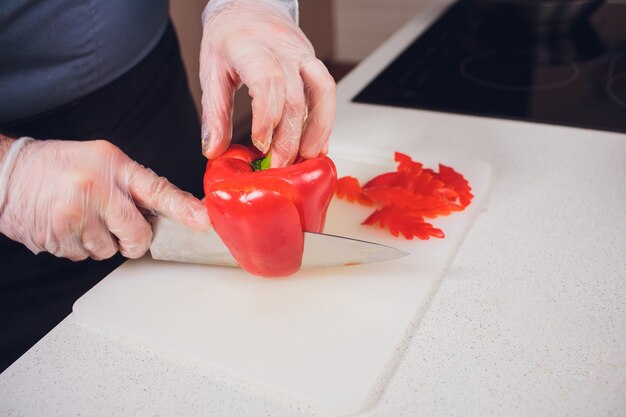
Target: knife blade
(176, 242)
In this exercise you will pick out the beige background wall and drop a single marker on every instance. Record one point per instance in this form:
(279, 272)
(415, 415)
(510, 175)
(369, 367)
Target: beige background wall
(186, 17)
(362, 25)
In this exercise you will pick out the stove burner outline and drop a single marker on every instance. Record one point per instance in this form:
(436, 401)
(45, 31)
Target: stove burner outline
(575, 72)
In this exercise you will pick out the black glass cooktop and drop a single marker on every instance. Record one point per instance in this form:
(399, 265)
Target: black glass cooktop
(469, 63)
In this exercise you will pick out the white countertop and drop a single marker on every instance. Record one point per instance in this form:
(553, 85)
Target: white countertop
(530, 318)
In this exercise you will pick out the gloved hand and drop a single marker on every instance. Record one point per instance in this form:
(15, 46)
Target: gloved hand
(80, 199)
(258, 43)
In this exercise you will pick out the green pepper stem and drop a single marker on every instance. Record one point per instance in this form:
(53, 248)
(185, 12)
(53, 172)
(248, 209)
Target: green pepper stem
(261, 164)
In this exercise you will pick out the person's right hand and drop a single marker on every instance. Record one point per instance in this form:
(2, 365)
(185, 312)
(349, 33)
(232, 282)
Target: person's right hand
(80, 199)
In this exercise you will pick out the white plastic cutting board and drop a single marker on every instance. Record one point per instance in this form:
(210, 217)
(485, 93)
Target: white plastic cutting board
(325, 338)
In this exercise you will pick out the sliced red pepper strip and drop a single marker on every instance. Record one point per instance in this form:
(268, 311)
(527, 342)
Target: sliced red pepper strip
(425, 205)
(457, 182)
(397, 196)
(413, 188)
(420, 181)
(348, 188)
(405, 222)
(406, 164)
(260, 215)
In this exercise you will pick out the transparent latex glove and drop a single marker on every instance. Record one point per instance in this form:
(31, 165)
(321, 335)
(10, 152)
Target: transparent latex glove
(258, 43)
(80, 199)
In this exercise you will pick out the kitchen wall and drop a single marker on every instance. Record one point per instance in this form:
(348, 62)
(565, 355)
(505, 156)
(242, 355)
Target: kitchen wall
(362, 25)
(186, 17)
(343, 32)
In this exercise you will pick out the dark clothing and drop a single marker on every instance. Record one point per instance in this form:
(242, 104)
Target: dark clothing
(56, 51)
(148, 112)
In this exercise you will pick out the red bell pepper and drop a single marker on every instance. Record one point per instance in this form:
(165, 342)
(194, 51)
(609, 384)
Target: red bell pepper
(261, 214)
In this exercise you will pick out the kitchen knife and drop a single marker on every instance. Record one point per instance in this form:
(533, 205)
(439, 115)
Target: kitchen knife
(176, 242)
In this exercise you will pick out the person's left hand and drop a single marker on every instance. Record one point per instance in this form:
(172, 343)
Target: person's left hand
(257, 43)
